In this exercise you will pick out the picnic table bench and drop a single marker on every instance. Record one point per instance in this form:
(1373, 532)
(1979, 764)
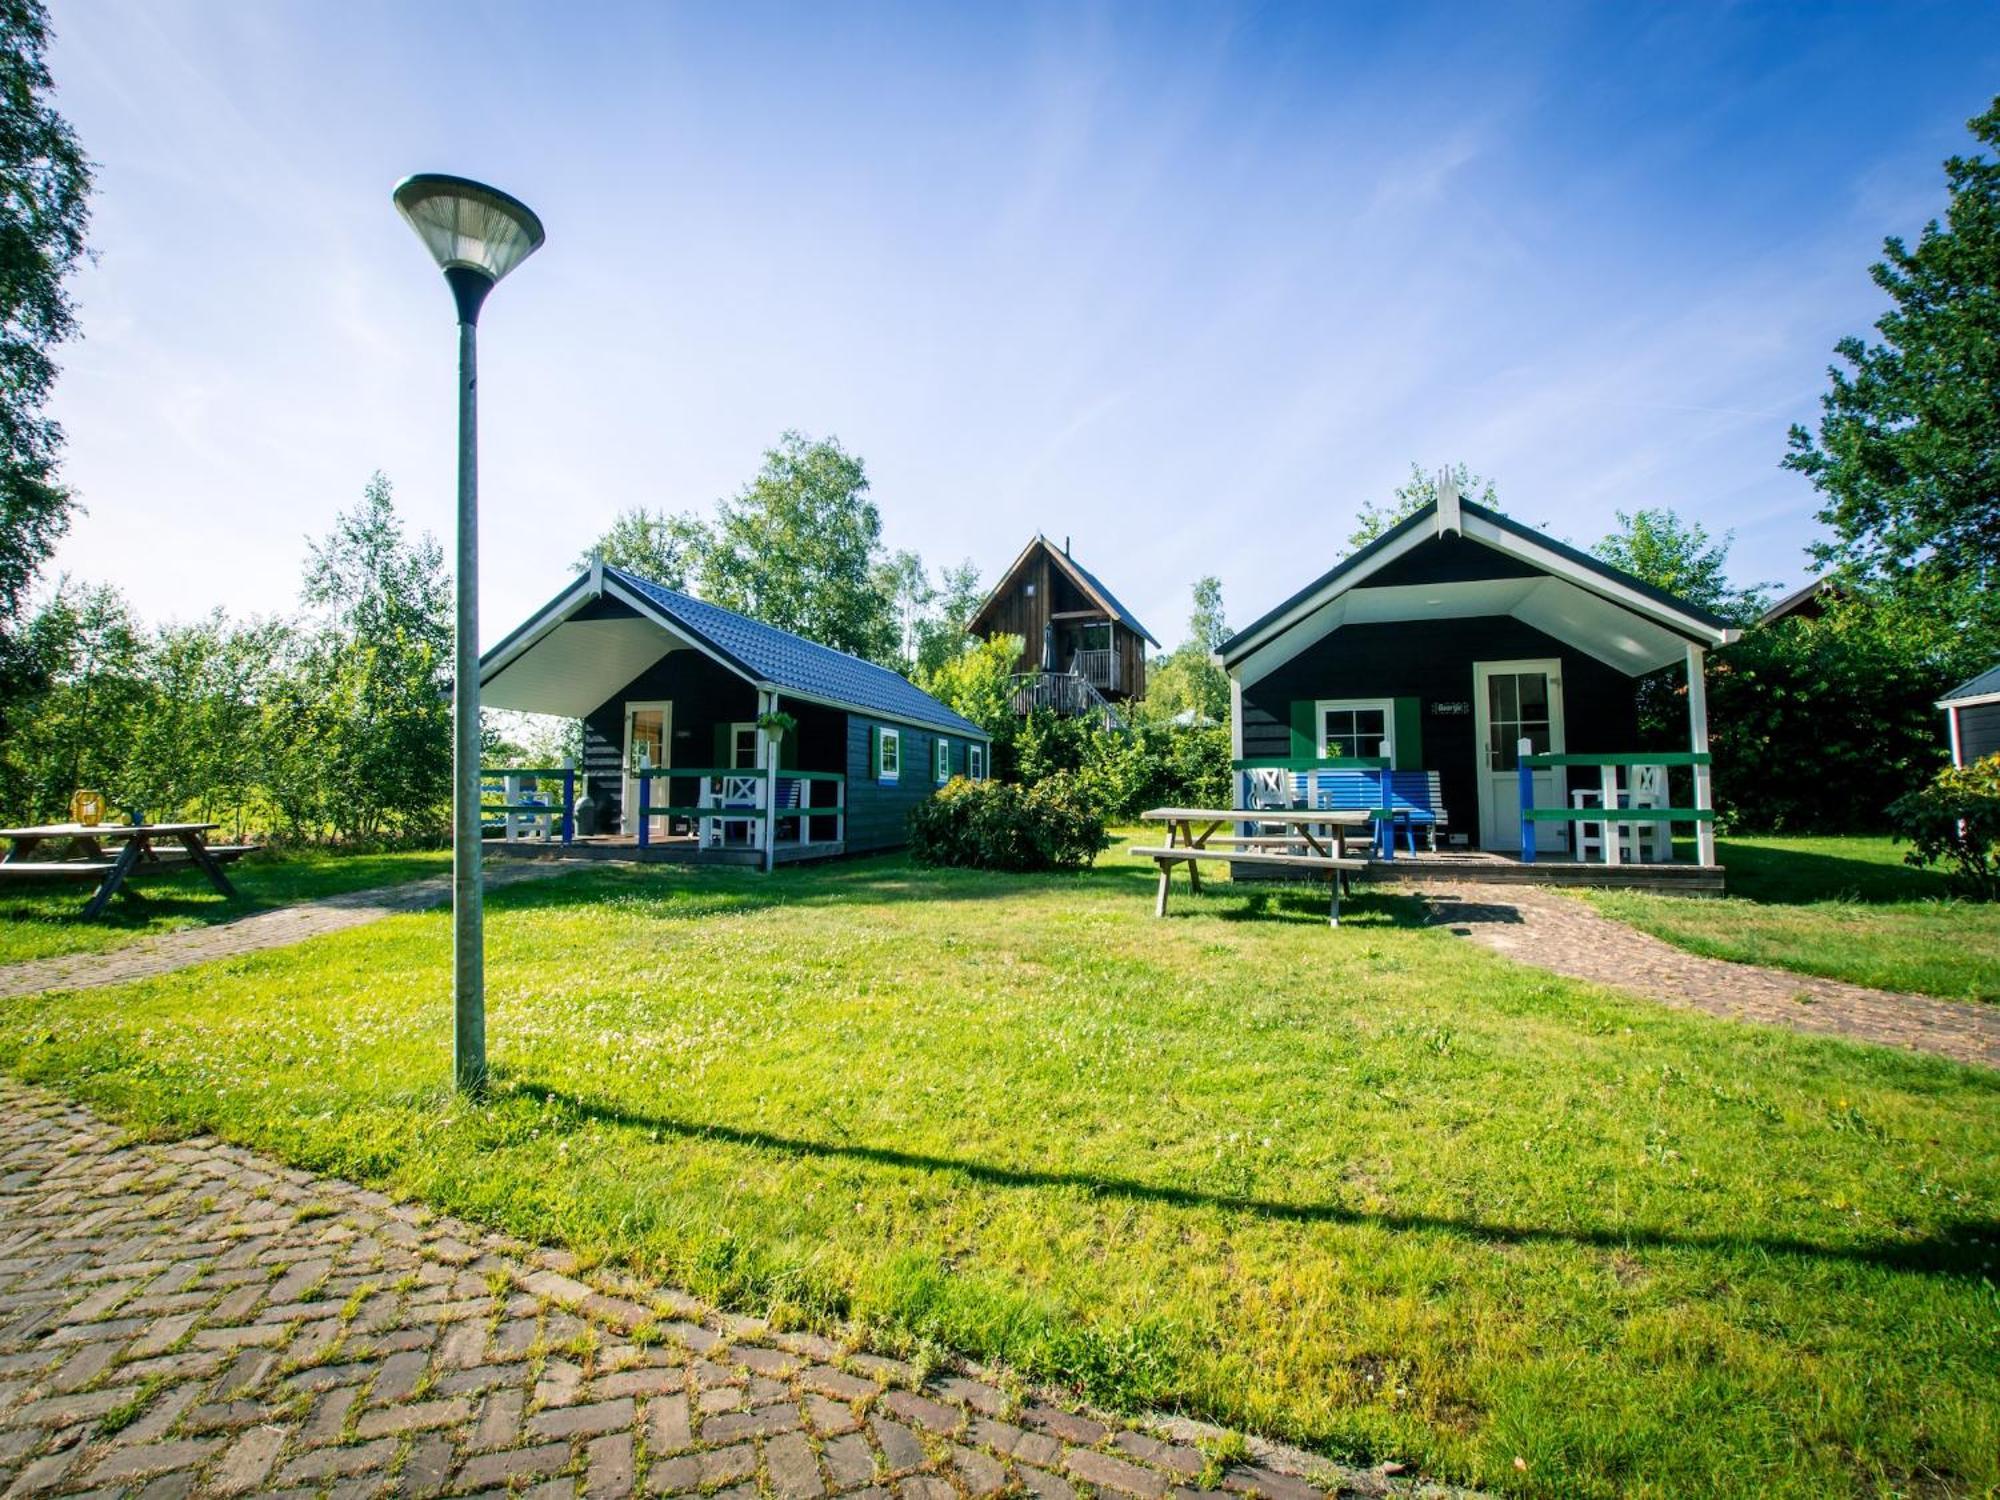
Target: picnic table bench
(112, 871)
(1313, 840)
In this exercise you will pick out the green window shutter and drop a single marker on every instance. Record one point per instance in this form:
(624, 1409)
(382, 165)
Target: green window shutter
(1409, 734)
(1305, 734)
(874, 751)
(721, 747)
(788, 752)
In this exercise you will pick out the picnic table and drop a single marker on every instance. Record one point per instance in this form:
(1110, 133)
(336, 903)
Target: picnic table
(111, 872)
(1313, 840)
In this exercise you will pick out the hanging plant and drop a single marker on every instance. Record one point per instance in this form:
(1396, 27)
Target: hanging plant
(777, 725)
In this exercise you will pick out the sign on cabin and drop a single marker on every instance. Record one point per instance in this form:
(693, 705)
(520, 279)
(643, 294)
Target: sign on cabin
(1455, 710)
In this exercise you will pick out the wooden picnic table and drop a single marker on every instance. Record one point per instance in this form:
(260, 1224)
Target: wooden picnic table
(89, 840)
(1314, 841)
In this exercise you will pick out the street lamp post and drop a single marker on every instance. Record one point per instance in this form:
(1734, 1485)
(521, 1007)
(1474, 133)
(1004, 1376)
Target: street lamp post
(477, 235)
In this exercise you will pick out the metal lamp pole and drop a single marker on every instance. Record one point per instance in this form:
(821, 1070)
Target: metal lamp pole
(476, 234)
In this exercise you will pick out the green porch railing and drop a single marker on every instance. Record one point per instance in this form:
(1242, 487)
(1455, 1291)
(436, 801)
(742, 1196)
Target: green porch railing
(765, 814)
(1609, 812)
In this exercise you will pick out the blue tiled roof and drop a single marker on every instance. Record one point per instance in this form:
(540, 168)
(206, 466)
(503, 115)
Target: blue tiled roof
(1986, 682)
(791, 662)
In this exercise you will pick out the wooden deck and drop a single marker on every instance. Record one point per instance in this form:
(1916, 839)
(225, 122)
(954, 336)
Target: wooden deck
(624, 847)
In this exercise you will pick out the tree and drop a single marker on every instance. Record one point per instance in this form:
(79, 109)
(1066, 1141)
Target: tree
(944, 630)
(1818, 725)
(976, 683)
(1907, 458)
(82, 654)
(44, 212)
(1187, 682)
(798, 547)
(906, 583)
(664, 547)
(363, 698)
(1656, 545)
(1412, 496)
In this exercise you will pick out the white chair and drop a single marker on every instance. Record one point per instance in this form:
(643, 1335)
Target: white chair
(1645, 786)
(1270, 788)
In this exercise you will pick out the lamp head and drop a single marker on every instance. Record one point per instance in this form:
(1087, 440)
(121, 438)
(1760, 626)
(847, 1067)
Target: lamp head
(475, 233)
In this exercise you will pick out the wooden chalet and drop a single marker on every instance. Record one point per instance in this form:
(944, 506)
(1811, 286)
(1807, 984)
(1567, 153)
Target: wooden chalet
(1498, 668)
(685, 752)
(1082, 651)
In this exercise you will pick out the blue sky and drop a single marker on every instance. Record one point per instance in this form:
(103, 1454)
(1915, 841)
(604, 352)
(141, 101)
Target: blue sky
(1187, 285)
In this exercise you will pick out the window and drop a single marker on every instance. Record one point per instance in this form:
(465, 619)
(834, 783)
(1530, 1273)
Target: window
(975, 762)
(888, 754)
(1356, 728)
(943, 758)
(742, 747)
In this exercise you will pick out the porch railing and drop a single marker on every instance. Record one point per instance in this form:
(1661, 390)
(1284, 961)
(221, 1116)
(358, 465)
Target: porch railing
(788, 807)
(1610, 811)
(1098, 668)
(521, 807)
(1067, 693)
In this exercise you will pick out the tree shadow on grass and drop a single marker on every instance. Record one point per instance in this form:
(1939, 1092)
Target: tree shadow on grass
(1968, 1248)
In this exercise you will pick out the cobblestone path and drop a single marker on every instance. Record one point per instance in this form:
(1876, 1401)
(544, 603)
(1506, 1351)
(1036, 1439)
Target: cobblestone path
(194, 1320)
(168, 951)
(1552, 931)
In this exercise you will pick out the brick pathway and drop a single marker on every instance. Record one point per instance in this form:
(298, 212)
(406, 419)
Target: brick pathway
(193, 1320)
(1553, 931)
(168, 951)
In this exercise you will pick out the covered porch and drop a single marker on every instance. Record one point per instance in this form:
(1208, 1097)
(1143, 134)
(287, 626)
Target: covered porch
(687, 755)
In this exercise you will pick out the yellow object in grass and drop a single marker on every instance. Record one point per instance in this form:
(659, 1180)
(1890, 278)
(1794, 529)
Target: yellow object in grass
(87, 808)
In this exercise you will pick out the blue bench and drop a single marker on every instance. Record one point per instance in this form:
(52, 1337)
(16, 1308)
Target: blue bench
(1412, 797)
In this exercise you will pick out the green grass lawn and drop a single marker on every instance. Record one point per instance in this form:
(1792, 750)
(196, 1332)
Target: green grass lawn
(1377, 1189)
(1846, 908)
(41, 920)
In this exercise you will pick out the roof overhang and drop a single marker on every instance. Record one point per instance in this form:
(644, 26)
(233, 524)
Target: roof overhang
(558, 664)
(1584, 605)
(1970, 702)
(1072, 570)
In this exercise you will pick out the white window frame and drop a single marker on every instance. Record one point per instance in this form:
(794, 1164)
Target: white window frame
(941, 760)
(888, 748)
(1387, 706)
(975, 762)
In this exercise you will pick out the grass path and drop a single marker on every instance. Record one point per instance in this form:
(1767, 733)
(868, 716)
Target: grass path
(1374, 1189)
(1843, 908)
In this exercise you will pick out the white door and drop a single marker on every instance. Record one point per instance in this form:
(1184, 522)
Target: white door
(1513, 701)
(649, 732)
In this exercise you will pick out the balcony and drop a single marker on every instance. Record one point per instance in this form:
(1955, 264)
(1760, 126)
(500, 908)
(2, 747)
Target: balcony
(1098, 668)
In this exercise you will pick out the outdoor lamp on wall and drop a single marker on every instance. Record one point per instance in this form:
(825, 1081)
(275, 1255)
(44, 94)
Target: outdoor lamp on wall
(476, 234)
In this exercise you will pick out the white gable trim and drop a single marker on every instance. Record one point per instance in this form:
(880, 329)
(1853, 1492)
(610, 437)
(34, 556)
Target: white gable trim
(1416, 537)
(1593, 582)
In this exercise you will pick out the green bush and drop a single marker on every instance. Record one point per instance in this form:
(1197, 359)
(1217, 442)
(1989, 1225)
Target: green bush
(1956, 820)
(995, 825)
(1122, 772)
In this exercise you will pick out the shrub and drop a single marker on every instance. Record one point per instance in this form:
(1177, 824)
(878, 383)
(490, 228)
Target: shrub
(1956, 820)
(1122, 772)
(995, 825)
